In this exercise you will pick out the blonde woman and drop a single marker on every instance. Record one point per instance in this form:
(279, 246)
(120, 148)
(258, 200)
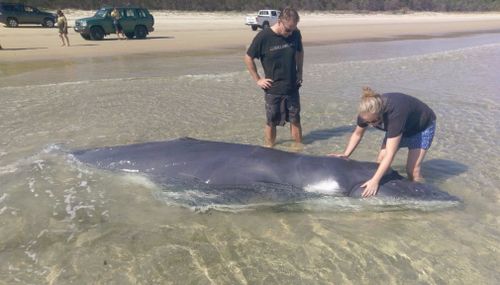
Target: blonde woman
(407, 122)
(62, 24)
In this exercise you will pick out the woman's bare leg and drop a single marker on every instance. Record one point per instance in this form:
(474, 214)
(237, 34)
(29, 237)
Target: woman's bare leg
(414, 164)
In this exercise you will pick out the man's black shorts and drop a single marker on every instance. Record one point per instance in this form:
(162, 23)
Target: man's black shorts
(282, 108)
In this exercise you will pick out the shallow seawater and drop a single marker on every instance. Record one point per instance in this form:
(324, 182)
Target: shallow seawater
(66, 223)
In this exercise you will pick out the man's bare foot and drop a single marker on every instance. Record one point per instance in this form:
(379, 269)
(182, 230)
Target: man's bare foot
(418, 179)
(297, 147)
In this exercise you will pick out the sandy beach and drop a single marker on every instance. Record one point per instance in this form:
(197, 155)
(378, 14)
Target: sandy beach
(185, 32)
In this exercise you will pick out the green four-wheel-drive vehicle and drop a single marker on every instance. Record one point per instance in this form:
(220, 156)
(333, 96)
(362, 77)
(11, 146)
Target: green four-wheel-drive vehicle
(136, 22)
(13, 14)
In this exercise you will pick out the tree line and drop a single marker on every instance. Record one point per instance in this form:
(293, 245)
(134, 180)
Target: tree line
(252, 5)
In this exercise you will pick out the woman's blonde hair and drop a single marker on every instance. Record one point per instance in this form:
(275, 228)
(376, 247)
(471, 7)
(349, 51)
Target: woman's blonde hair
(371, 102)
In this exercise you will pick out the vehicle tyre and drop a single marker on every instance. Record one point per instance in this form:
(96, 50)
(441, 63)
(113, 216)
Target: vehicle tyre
(85, 36)
(12, 22)
(254, 27)
(48, 23)
(96, 33)
(129, 35)
(140, 32)
(265, 25)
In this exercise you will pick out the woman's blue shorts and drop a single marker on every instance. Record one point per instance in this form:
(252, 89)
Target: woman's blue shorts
(421, 140)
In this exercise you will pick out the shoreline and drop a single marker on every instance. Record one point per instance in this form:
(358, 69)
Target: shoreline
(183, 33)
(10, 68)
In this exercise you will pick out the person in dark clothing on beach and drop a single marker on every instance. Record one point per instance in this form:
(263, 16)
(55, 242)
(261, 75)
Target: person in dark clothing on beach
(281, 53)
(407, 121)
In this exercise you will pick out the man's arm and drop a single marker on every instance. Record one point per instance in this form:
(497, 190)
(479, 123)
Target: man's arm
(299, 59)
(263, 83)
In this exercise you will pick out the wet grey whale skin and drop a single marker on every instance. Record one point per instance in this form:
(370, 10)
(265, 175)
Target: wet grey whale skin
(219, 166)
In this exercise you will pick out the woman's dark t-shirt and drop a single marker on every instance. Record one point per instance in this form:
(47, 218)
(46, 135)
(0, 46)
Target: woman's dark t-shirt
(403, 114)
(277, 55)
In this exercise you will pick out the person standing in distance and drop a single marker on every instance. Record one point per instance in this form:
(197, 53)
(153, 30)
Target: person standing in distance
(281, 54)
(62, 24)
(115, 15)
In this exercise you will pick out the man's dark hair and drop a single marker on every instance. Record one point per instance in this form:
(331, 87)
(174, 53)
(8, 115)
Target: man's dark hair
(289, 14)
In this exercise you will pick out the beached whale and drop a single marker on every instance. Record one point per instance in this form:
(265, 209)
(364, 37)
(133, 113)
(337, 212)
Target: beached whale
(246, 173)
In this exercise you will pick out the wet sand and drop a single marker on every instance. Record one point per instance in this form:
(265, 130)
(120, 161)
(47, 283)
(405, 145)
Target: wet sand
(183, 32)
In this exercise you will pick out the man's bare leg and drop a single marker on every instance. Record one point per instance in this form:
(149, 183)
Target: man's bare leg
(269, 136)
(296, 132)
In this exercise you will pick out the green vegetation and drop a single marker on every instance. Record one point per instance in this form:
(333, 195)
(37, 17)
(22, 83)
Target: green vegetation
(254, 5)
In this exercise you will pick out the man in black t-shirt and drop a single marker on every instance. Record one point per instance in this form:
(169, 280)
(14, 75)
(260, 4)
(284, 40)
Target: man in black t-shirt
(280, 51)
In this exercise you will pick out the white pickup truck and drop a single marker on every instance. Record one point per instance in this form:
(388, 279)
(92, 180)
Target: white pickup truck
(264, 19)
